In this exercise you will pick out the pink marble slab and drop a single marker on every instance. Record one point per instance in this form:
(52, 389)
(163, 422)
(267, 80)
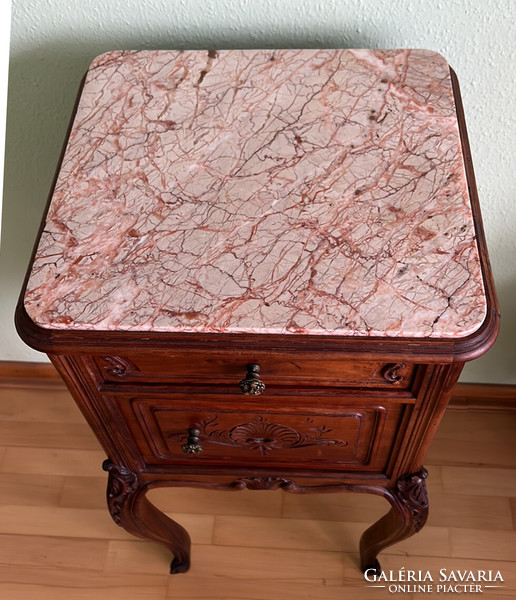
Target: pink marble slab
(312, 191)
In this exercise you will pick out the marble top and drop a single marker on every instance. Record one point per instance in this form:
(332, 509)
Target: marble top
(272, 191)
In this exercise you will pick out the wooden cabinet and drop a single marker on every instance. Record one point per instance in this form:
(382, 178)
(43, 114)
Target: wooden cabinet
(279, 297)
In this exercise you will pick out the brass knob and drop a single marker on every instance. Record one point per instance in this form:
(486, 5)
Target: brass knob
(192, 445)
(252, 384)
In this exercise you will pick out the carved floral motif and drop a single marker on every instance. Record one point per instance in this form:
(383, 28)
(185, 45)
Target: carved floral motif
(117, 366)
(121, 484)
(391, 372)
(413, 494)
(264, 483)
(263, 436)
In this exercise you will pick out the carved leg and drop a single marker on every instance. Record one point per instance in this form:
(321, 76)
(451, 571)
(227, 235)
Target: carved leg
(407, 516)
(131, 510)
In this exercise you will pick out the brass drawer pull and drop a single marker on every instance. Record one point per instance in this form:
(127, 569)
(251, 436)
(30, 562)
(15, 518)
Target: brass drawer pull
(252, 384)
(192, 445)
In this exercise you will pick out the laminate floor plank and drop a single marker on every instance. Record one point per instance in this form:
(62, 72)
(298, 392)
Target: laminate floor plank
(473, 453)
(270, 563)
(57, 521)
(470, 511)
(360, 508)
(51, 551)
(36, 490)
(513, 510)
(86, 523)
(443, 570)
(263, 589)
(475, 439)
(477, 426)
(52, 461)
(39, 405)
(84, 492)
(241, 503)
(479, 481)
(56, 583)
(131, 591)
(332, 536)
(490, 545)
(48, 435)
(137, 556)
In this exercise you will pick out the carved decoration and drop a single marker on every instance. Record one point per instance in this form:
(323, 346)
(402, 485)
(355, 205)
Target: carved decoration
(262, 436)
(413, 494)
(264, 483)
(117, 366)
(121, 484)
(391, 373)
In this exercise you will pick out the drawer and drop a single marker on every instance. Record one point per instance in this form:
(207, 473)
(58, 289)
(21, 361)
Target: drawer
(224, 368)
(352, 437)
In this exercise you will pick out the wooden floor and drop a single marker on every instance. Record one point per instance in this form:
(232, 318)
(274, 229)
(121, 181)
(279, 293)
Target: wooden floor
(58, 542)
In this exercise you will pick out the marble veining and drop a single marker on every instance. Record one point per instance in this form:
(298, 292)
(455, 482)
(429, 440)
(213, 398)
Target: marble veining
(292, 191)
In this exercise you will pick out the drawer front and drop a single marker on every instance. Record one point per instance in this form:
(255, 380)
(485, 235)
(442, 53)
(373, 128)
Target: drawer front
(348, 437)
(223, 368)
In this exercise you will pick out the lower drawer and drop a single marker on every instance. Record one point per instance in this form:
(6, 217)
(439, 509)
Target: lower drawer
(359, 436)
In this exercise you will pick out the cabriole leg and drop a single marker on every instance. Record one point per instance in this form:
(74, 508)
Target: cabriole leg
(407, 516)
(131, 510)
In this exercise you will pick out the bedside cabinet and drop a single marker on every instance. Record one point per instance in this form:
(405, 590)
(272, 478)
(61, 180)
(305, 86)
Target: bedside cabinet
(262, 270)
